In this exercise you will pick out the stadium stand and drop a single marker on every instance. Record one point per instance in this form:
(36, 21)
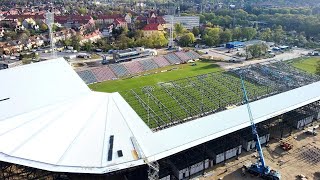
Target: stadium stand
(87, 76)
(182, 56)
(133, 67)
(161, 61)
(172, 58)
(193, 55)
(103, 73)
(119, 69)
(148, 64)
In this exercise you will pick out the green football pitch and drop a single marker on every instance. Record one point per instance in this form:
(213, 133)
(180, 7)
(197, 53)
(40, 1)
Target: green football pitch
(156, 76)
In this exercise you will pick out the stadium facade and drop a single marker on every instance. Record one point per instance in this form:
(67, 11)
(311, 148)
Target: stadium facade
(50, 120)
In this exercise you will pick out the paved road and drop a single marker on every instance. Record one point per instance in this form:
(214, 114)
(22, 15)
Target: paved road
(295, 53)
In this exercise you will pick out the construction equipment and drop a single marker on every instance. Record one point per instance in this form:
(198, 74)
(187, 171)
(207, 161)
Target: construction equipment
(286, 146)
(312, 131)
(259, 168)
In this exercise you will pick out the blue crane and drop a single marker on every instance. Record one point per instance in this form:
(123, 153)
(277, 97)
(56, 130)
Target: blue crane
(259, 168)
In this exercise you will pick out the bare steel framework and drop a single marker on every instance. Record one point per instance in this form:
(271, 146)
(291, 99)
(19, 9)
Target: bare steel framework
(174, 102)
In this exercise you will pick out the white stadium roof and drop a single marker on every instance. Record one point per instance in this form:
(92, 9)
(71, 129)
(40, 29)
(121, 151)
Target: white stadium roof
(51, 120)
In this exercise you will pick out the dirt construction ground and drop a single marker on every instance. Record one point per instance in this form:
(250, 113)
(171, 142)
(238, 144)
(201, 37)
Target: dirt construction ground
(303, 158)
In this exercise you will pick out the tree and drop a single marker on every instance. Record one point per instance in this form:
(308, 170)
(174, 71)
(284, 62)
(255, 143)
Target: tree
(87, 46)
(195, 31)
(82, 10)
(249, 33)
(43, 27)
(225, 36)
(256, 50)
(179, 29)
(138, 34)
(236, 33)
(10, 35)
(159, 40)
(55, 28)
(278, 34)
(125, 42)
(75, 42)
(187, 39)
(67, 42)
(23, 36)
(211, 36)
(266, 35)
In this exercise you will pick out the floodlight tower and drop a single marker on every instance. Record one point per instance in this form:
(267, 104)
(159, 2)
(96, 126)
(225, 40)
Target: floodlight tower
(170, 45)
(233, 7)
(50, 22)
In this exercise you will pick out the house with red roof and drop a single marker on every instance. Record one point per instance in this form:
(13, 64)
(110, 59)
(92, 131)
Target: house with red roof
(151, 29)
(75, 21)
(107, 19)
(156, 20)
(120, 23)
(36, 17)
(92, 37)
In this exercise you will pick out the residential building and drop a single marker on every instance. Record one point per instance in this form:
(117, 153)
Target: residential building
(92, 37)
(75, 21)
(36, 17)
(120, 23)
(151, 29)
(107, 19)
(128, 18)
(29, 23)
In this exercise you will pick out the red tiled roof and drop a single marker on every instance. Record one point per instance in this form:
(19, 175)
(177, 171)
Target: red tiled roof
(156, 20)
(142, 18)
(18, 16)
(120, 21)
(113, 16)
(151, 27)
(80, 19)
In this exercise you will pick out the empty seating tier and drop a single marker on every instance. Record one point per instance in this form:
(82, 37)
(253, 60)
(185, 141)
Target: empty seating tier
(133, 67)
(193, 54)
(161, 61)
(87, 76)
(103, 73)
(172, 58)
(119, 69)
(148, 64)
(182, 56)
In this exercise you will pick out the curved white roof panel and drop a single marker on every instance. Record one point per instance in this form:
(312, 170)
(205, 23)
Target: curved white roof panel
(52, 121)
(33, 86)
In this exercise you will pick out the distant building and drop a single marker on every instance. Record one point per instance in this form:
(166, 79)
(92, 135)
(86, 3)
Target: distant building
(151, 29)
(36, 17)
(128, 18)
(120, 23)
(75, 21)
(107, 19)
(187, 22)
(234, 44)
(156, 20)
(29, 23)
(92, 37)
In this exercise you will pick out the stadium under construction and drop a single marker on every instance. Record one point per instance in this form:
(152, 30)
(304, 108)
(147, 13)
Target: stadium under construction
(53, 126)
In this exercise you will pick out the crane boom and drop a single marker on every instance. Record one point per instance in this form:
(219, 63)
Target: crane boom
(253, 126)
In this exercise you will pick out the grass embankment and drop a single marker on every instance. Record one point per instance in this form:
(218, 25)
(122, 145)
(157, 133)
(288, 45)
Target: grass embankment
(308, 64)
